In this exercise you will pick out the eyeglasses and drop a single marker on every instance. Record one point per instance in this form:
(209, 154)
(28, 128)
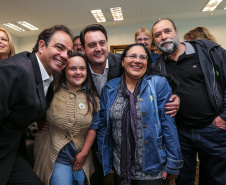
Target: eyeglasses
(145, 39)
(134, 56)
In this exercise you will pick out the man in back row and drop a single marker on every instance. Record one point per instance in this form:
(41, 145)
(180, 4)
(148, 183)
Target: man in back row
(77, 46)
(104, 67)
(200, 68)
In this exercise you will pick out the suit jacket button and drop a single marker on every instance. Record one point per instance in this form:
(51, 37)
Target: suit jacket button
(141, 99)
(144, 126)
(145, 142)
(143, 113)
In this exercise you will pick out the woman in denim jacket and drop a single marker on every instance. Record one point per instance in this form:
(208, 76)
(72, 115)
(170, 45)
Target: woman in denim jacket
(135, 137)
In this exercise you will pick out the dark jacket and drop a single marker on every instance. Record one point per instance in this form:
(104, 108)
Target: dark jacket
(115, 67)
(213, 63)
(22, 101)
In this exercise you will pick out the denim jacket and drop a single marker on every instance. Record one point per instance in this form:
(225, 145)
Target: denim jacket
(160, 140)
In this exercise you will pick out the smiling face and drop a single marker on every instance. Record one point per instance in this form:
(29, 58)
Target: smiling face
(55, 55)
(76, 73)
(142, 38)
(135, 63)
(4, 45)
(96, 48)
(165, 37)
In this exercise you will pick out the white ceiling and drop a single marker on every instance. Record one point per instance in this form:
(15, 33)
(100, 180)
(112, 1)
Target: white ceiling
(76, 13)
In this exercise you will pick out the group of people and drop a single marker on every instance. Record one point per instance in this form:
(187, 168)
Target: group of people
(99, 111)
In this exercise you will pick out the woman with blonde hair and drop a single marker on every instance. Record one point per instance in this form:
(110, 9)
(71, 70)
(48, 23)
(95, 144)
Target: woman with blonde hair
(144, 36)
(6, 44)
(199, 33)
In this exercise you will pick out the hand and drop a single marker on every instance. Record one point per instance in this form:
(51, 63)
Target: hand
(170, 176)
(220, 123)
(173, 107)
(80, 159)
(42, 126)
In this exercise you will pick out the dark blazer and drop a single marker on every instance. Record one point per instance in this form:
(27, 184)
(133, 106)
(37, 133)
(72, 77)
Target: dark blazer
(115, 67)
(22, 101)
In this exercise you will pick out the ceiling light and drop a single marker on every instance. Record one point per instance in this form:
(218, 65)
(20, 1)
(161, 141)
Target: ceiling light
(13, 26)
(117, 13)
(225, 8)
(27, 25)
(98, 15)
(211, 5)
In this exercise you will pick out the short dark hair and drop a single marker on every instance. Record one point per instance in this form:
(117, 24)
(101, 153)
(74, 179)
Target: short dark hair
(146, 50)
(48, 33)
(92, 27)
(159, 20)
(75, 38)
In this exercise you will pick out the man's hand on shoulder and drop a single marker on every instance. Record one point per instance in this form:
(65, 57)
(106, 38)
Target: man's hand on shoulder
(174, 105)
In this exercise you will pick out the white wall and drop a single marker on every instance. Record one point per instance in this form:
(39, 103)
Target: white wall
(118, 35)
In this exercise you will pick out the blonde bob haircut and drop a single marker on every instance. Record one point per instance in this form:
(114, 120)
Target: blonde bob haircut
(11, 45)
(145, 30)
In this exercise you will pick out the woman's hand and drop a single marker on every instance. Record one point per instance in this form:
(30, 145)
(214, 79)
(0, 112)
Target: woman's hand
(170, 176)
(80, 159)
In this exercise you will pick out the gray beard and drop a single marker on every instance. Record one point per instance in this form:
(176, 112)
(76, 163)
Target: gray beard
(170, 47)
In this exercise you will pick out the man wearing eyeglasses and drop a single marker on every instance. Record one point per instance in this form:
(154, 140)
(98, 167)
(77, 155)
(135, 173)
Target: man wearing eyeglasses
(77, 46)
(25, 79)
(143, 36)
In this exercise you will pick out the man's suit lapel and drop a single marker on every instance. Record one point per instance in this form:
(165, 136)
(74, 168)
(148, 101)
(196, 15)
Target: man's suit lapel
(112, 68)
(40, 89)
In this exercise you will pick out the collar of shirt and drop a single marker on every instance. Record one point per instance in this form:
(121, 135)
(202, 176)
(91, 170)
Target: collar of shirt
(106, 68)
(45, 75)
(83, 87)
(46, 79)
(189, 49)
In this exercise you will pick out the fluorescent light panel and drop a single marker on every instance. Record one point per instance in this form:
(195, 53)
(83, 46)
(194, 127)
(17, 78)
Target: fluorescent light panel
(98, 15)
(13, 26)
(27, 25)
(117, 13)
(211, 5)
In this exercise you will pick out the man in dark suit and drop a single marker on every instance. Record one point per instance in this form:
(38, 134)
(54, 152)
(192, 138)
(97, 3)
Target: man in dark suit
(104, 66)
(24, 83)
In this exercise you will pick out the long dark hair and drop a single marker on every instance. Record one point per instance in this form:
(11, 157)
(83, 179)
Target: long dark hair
(91, 94)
